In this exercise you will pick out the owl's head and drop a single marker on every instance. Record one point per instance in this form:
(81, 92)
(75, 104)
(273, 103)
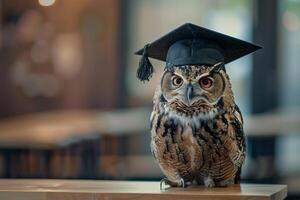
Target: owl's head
(194, 88)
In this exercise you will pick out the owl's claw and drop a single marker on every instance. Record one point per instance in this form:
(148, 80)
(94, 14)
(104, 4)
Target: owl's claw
(209, 182)
(182, 183)
(165, 182)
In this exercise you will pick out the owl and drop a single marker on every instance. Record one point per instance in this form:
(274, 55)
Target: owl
(196, 127)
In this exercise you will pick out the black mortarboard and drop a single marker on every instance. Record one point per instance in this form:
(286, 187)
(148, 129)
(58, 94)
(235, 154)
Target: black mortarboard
(191, 44)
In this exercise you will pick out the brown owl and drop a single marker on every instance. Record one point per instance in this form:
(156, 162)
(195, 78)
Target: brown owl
(196, 127)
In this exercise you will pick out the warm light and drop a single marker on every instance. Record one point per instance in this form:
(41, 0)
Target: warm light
(46, 2)
(67, 55)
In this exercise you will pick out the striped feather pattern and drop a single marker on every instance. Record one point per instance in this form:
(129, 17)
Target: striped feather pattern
(212, 147)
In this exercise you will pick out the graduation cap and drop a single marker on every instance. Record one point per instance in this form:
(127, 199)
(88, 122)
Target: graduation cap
(191, 44)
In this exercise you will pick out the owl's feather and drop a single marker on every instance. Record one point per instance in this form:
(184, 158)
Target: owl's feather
(198, 144)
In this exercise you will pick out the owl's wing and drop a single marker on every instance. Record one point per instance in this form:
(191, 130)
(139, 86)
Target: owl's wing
(238, 155)
(238, 114)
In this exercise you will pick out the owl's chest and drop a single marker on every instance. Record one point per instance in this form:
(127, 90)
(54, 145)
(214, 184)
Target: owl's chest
(176, 150)
(184, 147)
(181, 148)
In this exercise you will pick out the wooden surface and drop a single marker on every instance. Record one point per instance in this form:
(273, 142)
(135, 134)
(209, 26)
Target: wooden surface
(95, 190)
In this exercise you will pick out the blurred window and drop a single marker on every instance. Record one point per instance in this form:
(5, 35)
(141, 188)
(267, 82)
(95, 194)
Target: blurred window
(289, 91)
(289, 49)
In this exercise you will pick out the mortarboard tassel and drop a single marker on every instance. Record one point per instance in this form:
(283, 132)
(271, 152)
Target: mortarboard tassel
(145, 70)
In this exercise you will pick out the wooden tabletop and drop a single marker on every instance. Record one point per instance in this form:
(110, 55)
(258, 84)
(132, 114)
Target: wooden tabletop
(13, 189)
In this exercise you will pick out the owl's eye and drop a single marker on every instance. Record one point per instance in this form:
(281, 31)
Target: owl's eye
(206, 82)
(177, 81)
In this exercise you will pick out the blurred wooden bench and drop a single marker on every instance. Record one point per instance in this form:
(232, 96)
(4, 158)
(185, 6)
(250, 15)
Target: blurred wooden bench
(67, 143)
(54, 129)
(61, 128)
(40, 144)
(14, 189)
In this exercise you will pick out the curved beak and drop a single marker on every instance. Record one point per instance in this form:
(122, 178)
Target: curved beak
(190, 93)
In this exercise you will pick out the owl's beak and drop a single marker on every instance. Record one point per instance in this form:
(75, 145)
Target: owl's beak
(190, 94)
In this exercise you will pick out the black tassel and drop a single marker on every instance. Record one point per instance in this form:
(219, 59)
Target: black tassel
(145, 70)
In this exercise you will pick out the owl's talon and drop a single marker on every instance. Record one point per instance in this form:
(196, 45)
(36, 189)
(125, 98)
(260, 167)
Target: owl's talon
(182, 183)
(209, 182)
(163, 182)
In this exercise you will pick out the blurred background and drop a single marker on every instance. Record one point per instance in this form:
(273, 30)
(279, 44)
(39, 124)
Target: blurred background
(71, 106)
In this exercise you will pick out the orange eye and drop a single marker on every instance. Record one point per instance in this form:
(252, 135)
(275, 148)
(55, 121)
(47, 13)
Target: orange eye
(205, 82)
(176, 80)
